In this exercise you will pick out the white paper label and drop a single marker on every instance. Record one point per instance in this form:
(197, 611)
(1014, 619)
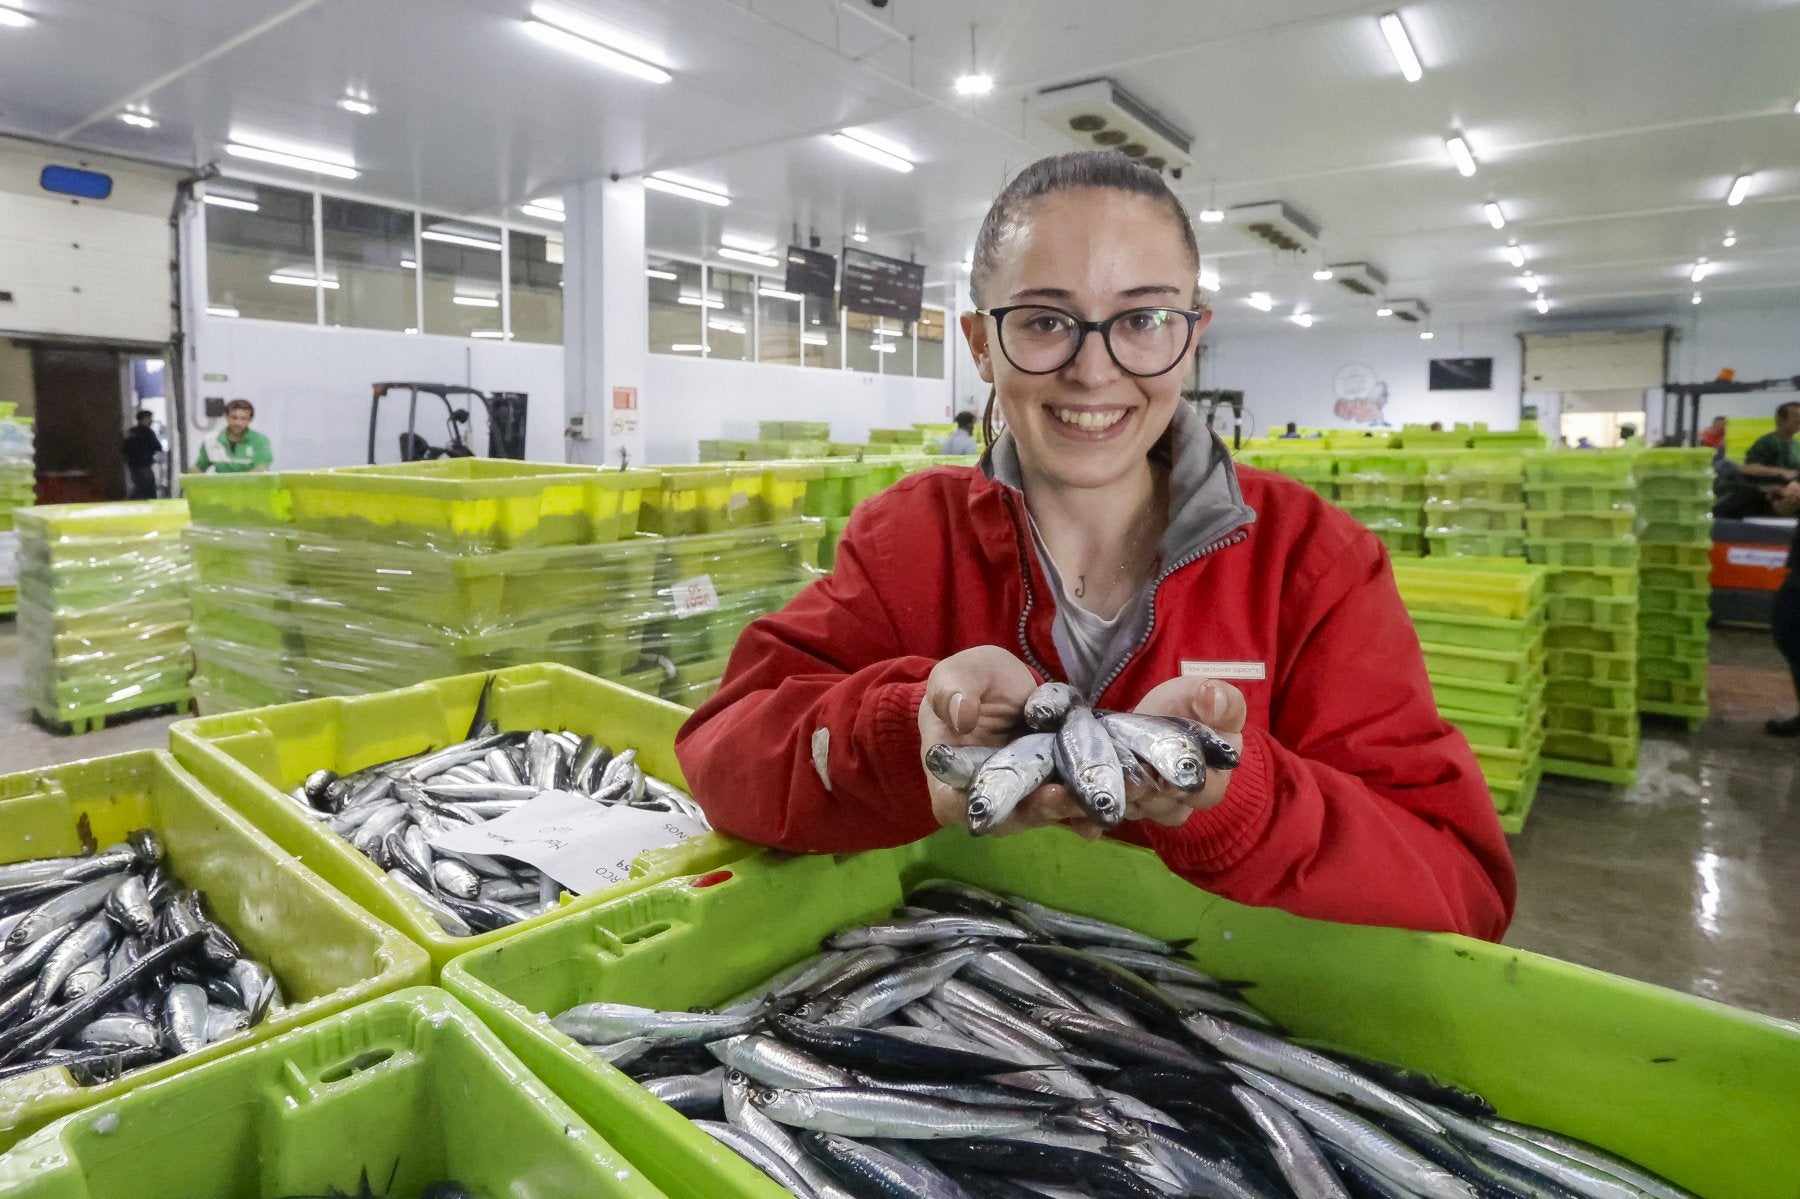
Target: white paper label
(1744, 555)
(9, 559)
(695, 596)
(577, 842)
(1224, 670)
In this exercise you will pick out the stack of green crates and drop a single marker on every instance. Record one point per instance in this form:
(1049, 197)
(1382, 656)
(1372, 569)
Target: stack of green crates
(1474, 504)
(1481, 623)
(1312, 466)
(1580, 522)
(103, 609)
(17, 484)
(1385, 491)
(324, 583)
(1674, 593)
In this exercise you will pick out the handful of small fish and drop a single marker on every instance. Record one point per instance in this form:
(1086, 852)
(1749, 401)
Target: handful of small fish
(108, 965)
(977, 1046)
(1095, 754)
(387, 811)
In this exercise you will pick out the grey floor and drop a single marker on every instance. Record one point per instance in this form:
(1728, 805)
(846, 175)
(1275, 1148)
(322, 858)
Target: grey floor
(1690, 880)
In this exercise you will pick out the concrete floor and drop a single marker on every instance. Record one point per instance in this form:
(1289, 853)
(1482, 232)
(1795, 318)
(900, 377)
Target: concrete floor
(1690, 879)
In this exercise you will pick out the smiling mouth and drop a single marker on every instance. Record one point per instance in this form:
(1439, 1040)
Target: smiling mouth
(1090, 419)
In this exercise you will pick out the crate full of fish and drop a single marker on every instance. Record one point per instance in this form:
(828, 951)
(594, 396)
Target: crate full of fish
(374, 793)
(1158, 1018)
(404, 1097)
(144, 928)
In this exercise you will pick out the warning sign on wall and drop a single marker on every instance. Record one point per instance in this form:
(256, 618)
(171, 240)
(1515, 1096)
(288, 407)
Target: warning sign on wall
(624, 399)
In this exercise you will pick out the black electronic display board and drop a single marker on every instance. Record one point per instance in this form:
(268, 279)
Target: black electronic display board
(811, 273)
(876, 285)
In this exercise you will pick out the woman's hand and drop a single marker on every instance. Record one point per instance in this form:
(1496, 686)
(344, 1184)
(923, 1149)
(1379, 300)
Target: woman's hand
(971, 698)
(1219, 706)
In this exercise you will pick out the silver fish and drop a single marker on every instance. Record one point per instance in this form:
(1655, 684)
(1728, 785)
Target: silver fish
(1591, 1182)
(777, 1064)
(184, 1018)
(1013, 772)
(1169, 750)
(957, 765)
(1046, 707)
(1089, 764)
(758, 1155)
(866, 1112)
(129, 906)
(1296, 1154)
(897, 987)
(926, 930)
(120, 1030)
(605, 1023)
(76, 904)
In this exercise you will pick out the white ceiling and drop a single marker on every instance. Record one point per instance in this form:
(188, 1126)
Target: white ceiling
(1609, 130)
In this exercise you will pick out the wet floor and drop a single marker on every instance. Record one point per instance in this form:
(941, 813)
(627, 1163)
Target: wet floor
(1690, 879)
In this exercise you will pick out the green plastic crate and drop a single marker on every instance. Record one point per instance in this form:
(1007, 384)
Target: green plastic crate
(1500, 732)
(1579, 466)
(1629, 1066)
(1684, 694)
(1601, 639)
(411, 1087)
(1562, 552)
(1489, 699)
(1401, 543)
(1695, 577)
(1696, 530)
(470, 504)
(1599, 581)
(834, 533)
(1351, 492)
(1394, 518)
(1384, 466)
(1620, 696)
(1671, 645)
(1599, 525)
(326, 954)
(1513, 800)
(1479, 632)
(1477, 490)
(1679, 603)
(1684, 511)
(252, 760)
(251, 557)
(234, 500)
(1508, 765)
(1609, 611)
(1676, 487)
(1613, 753)
(52, 523)
(1585, 664)
(1688, 671)
(1601, 722)
(1581, 497)
(1483, 666)
(1673, 624)
(1506, 588)
(1474, 545)
(1446, 516)
(1502, 466)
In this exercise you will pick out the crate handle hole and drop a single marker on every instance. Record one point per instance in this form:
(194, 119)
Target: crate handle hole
(356, 1065)
(644, 933)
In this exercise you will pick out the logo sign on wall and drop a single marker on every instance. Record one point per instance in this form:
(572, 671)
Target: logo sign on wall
(1361, 396)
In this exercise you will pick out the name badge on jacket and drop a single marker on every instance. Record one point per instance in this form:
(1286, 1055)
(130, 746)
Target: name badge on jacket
(1224, 670)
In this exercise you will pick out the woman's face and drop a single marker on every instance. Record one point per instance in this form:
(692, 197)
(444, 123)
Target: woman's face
(1094, 252)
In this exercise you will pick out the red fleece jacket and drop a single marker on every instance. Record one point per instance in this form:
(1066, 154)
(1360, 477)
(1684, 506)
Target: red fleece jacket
(1354, 800)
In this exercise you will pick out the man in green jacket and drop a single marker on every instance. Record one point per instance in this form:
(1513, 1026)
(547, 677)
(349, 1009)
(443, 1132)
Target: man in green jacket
(237, 448)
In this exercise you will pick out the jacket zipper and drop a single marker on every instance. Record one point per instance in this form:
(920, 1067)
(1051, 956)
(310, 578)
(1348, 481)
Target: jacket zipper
(1231, 538)
(1031, 658)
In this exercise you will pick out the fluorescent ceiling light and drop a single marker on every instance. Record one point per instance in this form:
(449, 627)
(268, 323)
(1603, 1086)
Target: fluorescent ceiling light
(407, 264)
(662, 181)
(688, 347)
(1211, 216)
(542, 210)
(1459, 154)
(725, 326)
(1323, 274)
(574, 33)
(358, 105)
(1531, 285)
(221, 310)
(776, 293)
(13, 18)
(1427, 335)
(1740, 187)
(295, 279)
(487, 334)
(1543, 303)
(1495, 217)
(653, 273)
(974, 85)
(1303, 319)
(859, 145)
(696, 302)
(219, 201)
(814, 339)
(738, 241)
(860, 236)
(476, 301)
(321, 162)
(1209, 278)
(140, 120)
(883, 347)
(1261, 301)
(1730, 240)
(1384, 312)
(747, 256)
(1401, 46)
(1696, 297)
(1699, 271)
(1516, 256)
(460, 239)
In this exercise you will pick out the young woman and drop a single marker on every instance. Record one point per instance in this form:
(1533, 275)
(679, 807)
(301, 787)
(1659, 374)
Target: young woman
(1107, 540)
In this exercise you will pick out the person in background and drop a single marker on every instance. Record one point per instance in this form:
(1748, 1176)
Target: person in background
(1584, 444)
(1772, 457)
(1714, 434)
(963, 440)
(1628, 435)
(1784, 624)
(1293, 430)
(237, 448)
(142, 445)
(1437, 426)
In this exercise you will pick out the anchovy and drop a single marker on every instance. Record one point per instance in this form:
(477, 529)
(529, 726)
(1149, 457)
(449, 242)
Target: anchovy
(1089, 764)
(76, 904)
(1299, 1157)
(1169, 750)
(957, 765)
(898, 987)
(605, 1023)
(866, 1112)
(1007, 777)
(1652, 1184)
(926, 930)
(1589, 1181)
(776, 1064)
(1046, 707)
(758, 1155)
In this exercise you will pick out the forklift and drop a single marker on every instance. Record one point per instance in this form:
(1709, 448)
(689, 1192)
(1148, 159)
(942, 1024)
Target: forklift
(505, 413)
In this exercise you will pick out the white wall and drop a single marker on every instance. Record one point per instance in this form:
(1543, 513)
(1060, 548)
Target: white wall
(1291, 375)
(686, 399)
(311, 386)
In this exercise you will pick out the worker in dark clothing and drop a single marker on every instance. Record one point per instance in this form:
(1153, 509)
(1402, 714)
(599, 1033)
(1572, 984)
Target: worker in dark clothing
(1784, 622)
(142, 446)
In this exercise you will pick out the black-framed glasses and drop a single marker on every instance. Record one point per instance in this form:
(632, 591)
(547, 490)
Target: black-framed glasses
(1040, 340)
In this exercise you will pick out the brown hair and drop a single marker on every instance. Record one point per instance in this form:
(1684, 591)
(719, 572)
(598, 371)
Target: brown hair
(246, 405)
(1047, 177)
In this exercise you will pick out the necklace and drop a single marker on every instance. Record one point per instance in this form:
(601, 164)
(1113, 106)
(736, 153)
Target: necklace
(1141, 522)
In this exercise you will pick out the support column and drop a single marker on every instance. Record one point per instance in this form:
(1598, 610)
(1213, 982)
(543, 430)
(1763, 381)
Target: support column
(606, 321)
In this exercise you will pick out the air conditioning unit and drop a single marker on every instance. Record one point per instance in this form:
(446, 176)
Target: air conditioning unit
(1360, 277)
(1099, 114)
(1282, 226)
(1410, 311)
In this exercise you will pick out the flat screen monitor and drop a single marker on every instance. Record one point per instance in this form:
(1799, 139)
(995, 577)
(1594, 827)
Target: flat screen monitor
(876, 285)
(1462, 374)
(811, 273)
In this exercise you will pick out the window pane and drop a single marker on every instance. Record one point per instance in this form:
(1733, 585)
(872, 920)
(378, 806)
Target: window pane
(819, 340)
(369, 255)
(728, 327)
(537, 291)
(778, 330)
(899, 361)
(932, 328)
(860, 341)
(674, 326)
(462, 278)
(259, 262)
